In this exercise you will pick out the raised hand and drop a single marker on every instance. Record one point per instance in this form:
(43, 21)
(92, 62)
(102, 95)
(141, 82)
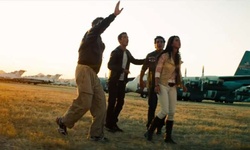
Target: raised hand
(117, 10)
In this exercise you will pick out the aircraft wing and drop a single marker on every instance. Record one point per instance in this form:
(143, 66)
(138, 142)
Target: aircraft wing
(233, 78)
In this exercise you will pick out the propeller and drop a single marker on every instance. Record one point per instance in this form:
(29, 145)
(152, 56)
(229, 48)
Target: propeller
(202, 78)
(185, 72)
(185, 79)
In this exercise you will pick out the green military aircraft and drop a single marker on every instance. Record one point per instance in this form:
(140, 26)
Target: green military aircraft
(226, 89)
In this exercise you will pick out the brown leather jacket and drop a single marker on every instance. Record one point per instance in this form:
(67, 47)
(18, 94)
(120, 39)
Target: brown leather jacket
(92, 47)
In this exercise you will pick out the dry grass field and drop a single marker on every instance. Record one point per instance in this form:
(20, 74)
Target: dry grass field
(28, 112)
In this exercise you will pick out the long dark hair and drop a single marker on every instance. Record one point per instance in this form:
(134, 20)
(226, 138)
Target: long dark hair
(169, 50)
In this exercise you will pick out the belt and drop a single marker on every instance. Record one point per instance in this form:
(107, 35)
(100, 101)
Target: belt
(171, 84)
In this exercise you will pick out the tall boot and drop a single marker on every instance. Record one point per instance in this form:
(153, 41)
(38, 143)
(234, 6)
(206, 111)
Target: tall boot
(169, 128)
(161, 124)
(149, 134)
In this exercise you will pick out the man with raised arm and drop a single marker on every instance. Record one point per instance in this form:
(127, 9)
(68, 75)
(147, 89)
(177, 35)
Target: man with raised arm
(89, 89)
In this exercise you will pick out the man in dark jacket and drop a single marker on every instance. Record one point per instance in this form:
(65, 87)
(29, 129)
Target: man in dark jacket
(90, 92)
(150, 64)
(118, 64)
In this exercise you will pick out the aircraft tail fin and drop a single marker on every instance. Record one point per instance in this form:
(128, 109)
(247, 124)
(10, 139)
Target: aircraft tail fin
(244, 66)
(19, 73)
(56, 77)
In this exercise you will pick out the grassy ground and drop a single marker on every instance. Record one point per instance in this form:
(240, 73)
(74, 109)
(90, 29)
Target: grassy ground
(28, 112)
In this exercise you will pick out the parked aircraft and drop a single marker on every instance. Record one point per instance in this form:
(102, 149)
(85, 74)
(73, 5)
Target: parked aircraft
(65, 82)
(104, 83)
(72, 82)
(134, 86)
(42, 78)
(243, 93)
(218, 88)
(16, 76)
(11, 75)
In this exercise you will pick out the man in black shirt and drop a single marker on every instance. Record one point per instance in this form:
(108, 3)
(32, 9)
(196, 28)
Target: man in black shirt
(118, 64)
(150, 64)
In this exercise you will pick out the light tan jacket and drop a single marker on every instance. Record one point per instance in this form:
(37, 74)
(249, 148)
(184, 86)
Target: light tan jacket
(165, 68)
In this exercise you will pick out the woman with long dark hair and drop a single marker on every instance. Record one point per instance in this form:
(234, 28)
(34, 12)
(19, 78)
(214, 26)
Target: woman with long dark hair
(167, 79)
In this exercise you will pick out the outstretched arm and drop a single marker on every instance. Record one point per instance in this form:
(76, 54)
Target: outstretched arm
(135, 61)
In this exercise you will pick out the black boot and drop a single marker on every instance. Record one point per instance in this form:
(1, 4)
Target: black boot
(168, 136)
(148, 124)
(161, 124)
(149, 134)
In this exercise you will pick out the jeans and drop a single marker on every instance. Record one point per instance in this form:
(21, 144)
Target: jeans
(115, 102)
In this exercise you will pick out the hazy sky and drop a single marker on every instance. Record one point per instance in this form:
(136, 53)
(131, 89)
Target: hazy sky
(43, 36)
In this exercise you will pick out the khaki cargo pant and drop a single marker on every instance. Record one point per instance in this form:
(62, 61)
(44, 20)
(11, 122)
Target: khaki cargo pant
(90, 96)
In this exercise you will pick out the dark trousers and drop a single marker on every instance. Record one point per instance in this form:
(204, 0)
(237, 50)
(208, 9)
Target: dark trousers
(152, 104)
(115, 102)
